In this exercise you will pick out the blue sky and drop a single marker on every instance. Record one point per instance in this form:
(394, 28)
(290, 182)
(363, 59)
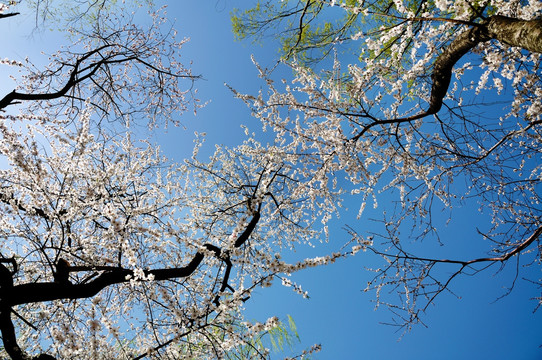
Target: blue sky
(338, 314)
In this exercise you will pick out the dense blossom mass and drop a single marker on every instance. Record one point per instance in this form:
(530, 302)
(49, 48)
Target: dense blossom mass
(109, 250)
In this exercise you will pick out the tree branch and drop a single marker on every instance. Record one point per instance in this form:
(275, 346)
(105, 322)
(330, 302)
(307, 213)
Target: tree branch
(2, 16)
(9, 339)
(526, 34)
(49, 291)
(518, 248)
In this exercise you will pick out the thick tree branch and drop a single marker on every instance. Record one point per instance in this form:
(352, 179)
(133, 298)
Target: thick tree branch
(2, 16)
(104, 56)
(250, 227)
(72, 81)
(49, 291)
(442, 70)
(526, 34)
(9, 338)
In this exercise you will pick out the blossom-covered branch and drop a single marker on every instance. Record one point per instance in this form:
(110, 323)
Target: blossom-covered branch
(424, 108)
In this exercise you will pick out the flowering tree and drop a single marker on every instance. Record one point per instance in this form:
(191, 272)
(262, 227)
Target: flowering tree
(111, 251)
(438, 107)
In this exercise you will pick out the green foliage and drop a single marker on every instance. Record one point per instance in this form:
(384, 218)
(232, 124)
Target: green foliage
(279, 337)
(310, 29)
(283, 335)
(249, 23)
(306, 30)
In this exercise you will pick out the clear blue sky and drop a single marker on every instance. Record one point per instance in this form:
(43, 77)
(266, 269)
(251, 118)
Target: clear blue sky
(338, 314)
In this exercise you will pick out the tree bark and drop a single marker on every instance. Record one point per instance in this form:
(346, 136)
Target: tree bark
(442, 69)
(526, 34)
(9, 339)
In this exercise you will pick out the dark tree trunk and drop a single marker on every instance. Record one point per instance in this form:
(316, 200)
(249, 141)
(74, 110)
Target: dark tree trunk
(526, 34)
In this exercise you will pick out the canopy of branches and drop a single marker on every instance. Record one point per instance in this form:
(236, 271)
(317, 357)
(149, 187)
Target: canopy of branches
(110, 250)
(430, 105)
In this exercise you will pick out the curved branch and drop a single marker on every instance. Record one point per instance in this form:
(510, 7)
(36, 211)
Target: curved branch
(49, 291)
(526, 34)
(250, 227)
(417, 269)
(441, 76)
(517, 249)
(9, 338)
(73, 80)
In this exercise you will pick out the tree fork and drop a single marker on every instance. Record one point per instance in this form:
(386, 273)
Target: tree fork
(525, 34)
